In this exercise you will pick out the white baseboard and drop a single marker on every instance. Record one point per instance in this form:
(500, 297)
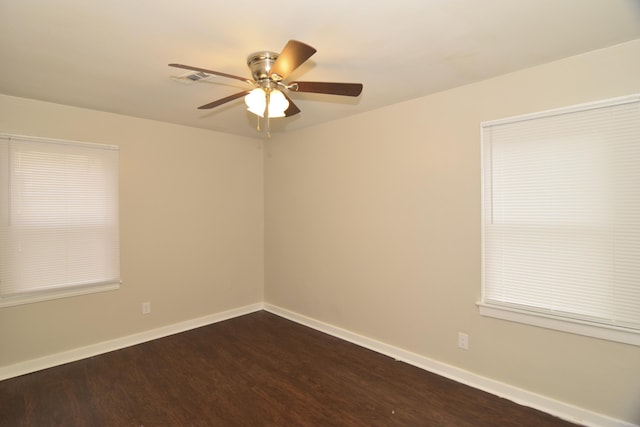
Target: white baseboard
(554, 407)
(551, 406)
(118, 343)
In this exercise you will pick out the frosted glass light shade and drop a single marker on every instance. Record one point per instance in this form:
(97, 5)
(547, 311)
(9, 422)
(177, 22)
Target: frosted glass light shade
(256, 101)
(278, 104)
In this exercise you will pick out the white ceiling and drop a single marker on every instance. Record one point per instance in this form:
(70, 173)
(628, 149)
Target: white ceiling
(112, 55)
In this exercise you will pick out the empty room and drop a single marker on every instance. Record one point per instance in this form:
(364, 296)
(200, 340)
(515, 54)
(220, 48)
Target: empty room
(409, 213)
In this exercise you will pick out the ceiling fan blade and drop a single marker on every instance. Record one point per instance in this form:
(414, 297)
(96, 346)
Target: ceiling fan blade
(346, 89)
(217, 73)
(291, 57)
(293, 109)
(223, 100)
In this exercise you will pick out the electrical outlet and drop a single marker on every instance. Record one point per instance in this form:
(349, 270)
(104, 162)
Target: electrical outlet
(146, 307)
(463, 341)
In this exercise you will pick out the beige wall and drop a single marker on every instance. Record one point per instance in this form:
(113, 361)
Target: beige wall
(372, 224)
(191, 212)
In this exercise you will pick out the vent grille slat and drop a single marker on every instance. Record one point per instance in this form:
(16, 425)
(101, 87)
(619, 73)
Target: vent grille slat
(193, 76)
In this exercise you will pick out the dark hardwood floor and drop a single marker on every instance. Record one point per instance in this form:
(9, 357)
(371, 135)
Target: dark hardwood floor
(254, 370)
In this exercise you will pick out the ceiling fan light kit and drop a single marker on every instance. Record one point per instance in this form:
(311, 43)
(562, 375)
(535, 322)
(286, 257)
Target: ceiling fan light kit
(268, 103)
(268, 97)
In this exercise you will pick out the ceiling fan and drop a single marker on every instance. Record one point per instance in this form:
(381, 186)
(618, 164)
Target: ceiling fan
(269, 70)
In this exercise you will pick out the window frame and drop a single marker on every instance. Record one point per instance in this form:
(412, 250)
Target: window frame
(70, 289)
(517, 313)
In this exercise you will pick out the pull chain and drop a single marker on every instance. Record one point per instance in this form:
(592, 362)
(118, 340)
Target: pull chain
(266, 113)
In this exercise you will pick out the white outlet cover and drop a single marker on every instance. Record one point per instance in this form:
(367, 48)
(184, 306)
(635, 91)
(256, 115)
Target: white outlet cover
(463, 341)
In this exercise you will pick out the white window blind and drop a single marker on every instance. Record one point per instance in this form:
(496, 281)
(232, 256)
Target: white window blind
(59, 230)
(561, 215)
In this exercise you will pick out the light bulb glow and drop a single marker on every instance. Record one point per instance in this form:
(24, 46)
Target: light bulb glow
(256, 101)
(278, 104)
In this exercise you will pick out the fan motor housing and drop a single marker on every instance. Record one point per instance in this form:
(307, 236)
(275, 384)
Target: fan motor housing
(260, 63)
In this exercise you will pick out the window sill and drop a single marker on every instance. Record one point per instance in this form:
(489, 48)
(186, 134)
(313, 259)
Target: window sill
(65, 293)
(605, 332)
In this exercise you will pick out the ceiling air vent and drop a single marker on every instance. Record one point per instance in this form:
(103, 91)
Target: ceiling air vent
(199, 75)
(194, 76)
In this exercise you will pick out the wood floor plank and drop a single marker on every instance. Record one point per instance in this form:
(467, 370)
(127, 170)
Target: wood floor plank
(254, 370)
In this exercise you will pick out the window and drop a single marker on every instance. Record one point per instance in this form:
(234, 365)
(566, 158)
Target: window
(561, 219)
(58, 219)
